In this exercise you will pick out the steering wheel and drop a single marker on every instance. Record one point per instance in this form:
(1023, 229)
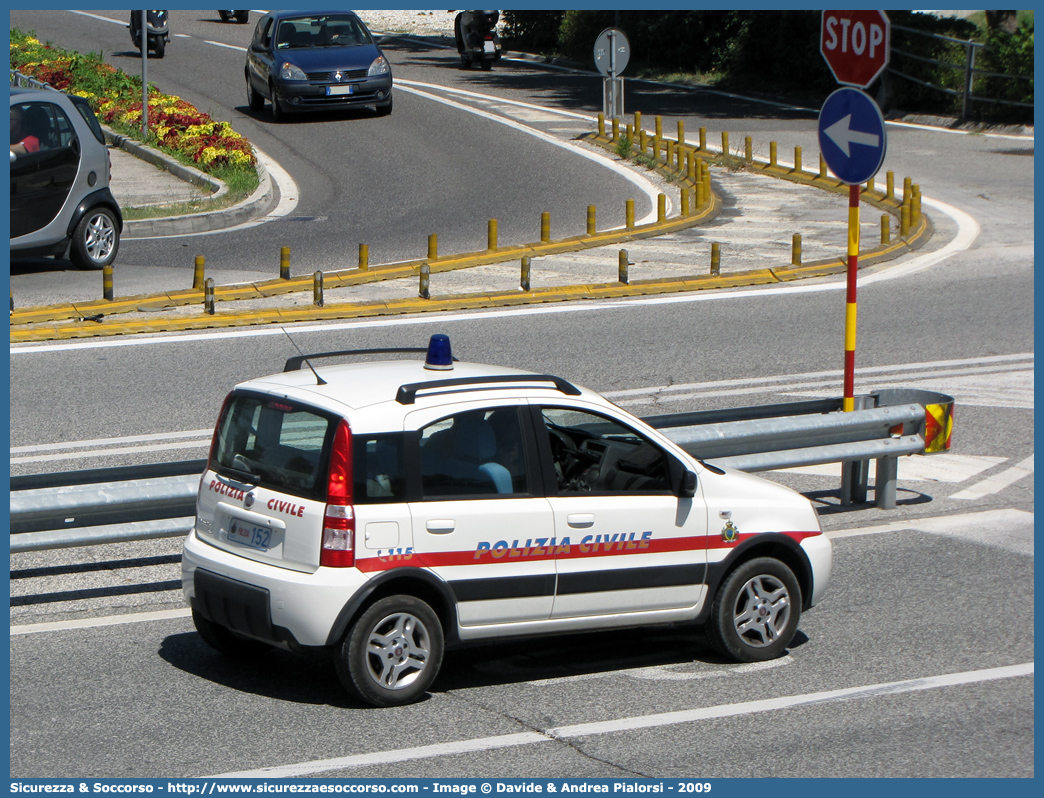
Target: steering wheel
(569, 460)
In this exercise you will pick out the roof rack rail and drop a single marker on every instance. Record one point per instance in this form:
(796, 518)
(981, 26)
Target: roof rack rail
(294, 363)
(407, 394)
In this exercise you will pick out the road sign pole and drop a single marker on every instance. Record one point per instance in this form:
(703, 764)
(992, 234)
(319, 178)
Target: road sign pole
(848, 401)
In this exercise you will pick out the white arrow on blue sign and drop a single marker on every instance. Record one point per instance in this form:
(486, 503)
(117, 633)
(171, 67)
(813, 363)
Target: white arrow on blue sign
(852, 135)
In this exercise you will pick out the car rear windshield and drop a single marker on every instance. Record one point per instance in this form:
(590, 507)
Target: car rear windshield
(274, 443)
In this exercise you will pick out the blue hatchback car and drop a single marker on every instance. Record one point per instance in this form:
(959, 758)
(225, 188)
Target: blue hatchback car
(316, 61)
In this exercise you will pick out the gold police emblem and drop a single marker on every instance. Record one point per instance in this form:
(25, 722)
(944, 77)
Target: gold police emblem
(729, 533)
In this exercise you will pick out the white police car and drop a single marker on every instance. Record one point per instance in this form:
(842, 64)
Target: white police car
(388, 509)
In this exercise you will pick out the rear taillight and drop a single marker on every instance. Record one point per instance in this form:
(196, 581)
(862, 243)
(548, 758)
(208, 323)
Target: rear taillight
(338, 548)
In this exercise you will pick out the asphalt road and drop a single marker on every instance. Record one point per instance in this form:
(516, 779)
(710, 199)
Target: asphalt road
(940, 587)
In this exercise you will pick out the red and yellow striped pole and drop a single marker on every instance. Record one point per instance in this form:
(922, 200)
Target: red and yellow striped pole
(848, 401)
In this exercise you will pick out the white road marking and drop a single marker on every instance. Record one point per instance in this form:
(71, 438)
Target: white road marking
(92, 623)
(944, 467)
(660, 720)
(667, 673)
(997, 482)
(153, 447)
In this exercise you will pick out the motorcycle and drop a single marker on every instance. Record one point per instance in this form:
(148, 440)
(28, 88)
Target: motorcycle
(239, 16)
(477, 38)
(157, 31)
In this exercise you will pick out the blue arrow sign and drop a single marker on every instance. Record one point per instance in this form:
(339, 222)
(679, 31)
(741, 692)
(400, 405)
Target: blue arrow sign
(852, 135)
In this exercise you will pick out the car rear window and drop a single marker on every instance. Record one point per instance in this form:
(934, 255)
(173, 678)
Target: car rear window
(275, 444)
(88, 116)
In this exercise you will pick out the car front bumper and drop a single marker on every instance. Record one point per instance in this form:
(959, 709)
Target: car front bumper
(304, 95)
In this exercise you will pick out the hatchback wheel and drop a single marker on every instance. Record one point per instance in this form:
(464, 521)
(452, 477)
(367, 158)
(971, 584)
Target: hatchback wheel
(95, 240)
(392, 653)
(278, 113)
(756, 611)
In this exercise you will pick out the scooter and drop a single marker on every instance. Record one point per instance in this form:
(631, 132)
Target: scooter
(157, 31)
(477, 38)
(239, 16)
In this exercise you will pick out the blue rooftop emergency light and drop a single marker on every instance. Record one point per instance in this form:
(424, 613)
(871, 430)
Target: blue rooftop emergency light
(439, 358)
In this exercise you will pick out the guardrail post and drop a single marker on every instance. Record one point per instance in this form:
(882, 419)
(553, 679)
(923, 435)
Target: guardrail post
(629, 214)
(425, 281)
(591, 220)
(198, 274)
(715, 267)
(284, 263)
(624, 263)
(524, 279)
(208, 296)
(491, 236)
(545, 226)
(364, 257)
(317, 290)
(433, 246)
(885, 482)
(107, 282)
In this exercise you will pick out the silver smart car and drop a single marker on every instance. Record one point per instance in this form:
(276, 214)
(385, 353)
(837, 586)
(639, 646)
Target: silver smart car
(60, 169)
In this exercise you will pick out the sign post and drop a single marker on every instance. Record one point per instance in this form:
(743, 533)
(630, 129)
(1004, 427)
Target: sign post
(856, 46)
(612, 51)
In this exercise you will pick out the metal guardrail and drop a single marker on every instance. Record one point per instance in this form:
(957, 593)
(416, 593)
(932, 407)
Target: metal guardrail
(150, 502)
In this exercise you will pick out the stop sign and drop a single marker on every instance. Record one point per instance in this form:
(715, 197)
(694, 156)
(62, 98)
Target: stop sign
(856, 45)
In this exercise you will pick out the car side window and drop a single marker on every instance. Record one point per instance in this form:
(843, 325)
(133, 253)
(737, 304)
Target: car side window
(591, 453)
(263, 33)
(477, 452)
(378, 469)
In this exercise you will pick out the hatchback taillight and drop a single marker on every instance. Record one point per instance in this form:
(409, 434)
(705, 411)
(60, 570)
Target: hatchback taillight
(338, 547)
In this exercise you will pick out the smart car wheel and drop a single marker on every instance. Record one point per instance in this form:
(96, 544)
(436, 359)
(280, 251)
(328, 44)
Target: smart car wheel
(95, 240)
(756, 611)
(392, 653)
(225, 640)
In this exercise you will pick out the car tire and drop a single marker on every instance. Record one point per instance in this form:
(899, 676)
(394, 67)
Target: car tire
(254, 100)
(465, 62)
(487, 64)
(384, 110)
(242, 17)
(392, 653)
(278, 113)
(224, 16)
(96, 240)
(756, 611)
(226, 641)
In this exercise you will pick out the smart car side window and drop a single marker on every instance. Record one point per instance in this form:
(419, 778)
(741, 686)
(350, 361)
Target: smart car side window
(595, 454)
(478, 452)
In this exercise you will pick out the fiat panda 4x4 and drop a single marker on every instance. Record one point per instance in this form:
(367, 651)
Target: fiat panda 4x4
(386, 510)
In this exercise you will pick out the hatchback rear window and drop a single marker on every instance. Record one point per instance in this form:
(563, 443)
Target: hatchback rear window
(274, 444)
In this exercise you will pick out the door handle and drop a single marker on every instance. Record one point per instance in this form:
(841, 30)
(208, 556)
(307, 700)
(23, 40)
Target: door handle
(440, 526)
(580, 520)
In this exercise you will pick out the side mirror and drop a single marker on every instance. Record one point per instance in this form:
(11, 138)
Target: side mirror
(688, 484)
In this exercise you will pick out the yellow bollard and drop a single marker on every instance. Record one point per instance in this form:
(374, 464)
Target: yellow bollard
(795, 250)
(208, 296)
(822, 167)
(524, 279)
(601, 125)
(364, 257)
(772, 154)
(491, 236)
(107, 281)
(198, 274)
(681, 132)
(284, 263)
(889, 185)
(317, 290)
(904, 221)
(699, 194)
(670, 153)
(661, 207)
(658, 125)
(748, 150)
(725, 144)
(629, 214)
(425, 281)
(590, 220)
(870, 186)
(715, 259)
(623, 264)
(886, 229)
(545, 226)
(642, 143)
(797, 160)
(685, 200)
(703, 139)
(637, 120)
(907, 183)
(433, 246)
(616, 128)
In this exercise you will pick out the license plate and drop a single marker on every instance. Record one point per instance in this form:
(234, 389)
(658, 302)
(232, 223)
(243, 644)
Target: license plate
(331, 90)
(489, 47)
(250, 535)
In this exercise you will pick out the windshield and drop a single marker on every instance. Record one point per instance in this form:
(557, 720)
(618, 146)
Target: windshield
(321, 31)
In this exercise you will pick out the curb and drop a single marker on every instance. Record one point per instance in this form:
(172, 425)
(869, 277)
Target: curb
(257, 204)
